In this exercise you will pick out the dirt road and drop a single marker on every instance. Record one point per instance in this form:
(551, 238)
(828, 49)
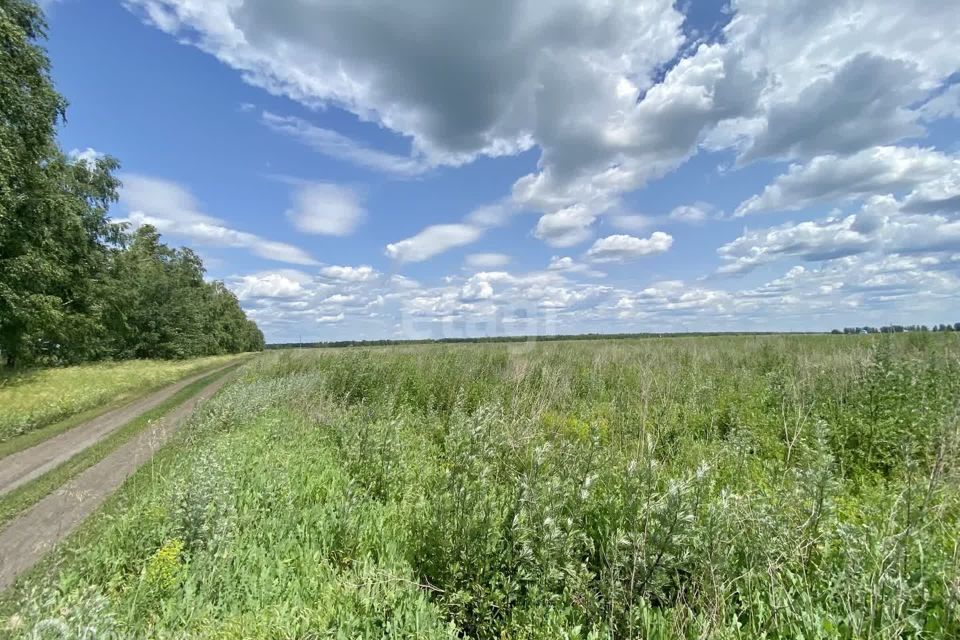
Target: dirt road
(22, 467)
(36, 531)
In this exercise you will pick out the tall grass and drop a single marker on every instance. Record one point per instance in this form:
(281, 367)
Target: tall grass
(801, 487)
(33, 399)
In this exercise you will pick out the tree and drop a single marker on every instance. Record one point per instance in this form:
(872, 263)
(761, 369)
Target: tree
(157, 305)
(54, 232)
(73, 285)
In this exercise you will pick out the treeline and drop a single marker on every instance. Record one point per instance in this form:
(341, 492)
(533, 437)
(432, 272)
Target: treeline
(75, 286)
(549, 338)
(899, 328)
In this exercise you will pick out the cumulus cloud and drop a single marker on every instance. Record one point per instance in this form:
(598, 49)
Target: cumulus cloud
(939, 195)
(693, 213)
(569, 265)
(613, 94)
(284, 283)
(432, 241)
(567, 227)
(475, 290)
(881, 226)
(291, 305)
(337, 273)
(844, 75)
(863, 104)
(623, 248)
(172, 209)
(327, 209)
(831, 178)
(585, 172)
(466, 86)
(585, 95)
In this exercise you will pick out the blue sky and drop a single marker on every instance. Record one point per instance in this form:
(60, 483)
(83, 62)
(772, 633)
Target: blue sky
(417, 168)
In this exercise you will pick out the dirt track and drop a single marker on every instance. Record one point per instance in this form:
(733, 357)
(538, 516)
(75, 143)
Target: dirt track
(37, 530)
(22, 467)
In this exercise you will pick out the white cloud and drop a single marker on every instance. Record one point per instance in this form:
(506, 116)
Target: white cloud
(437, 239)
(584, 172)
(830, 178)
(475, 290)
(403, 282)
(622, 248)
(432, 241)
(863, 103)
(362, 273)
(336, 145)
(939, 195)
(569, 265)
(328, 209)
(881, 226)
(284, 283)
(471, 84)
(692, 213)
(863, 288)
(567, 227)
(173, 210)
(584, 82)
(88, 155)
(486, 260)
(843, 75)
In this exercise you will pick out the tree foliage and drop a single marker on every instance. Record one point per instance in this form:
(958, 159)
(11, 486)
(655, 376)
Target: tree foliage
(73, 285)
(160, 306)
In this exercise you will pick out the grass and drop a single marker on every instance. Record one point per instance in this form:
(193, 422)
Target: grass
(726, 487)
(38, 404)
(28, 494)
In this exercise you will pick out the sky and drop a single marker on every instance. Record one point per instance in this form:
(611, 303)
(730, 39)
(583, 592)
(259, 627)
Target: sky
(368, 169)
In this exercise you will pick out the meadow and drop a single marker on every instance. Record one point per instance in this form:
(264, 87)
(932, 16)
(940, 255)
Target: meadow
(723, 487)
(36, 398)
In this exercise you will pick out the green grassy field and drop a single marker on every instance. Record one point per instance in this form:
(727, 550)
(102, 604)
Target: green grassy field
(747, 487)
(38, 398)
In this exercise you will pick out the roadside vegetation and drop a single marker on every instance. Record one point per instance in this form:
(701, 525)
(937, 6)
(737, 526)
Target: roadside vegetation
(731, 487)
(23, 497)
(74, 285)
(32, 400)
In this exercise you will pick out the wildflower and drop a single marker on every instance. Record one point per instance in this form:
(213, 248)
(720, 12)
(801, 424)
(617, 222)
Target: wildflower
(14, 622)
(162, 566)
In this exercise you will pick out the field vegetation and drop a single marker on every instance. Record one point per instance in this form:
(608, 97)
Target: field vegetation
(33, 399)
(738, 487)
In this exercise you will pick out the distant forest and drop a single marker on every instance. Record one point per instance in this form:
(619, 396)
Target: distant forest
(74, 286)
(550, 338)
(601, 336)
(900, 328)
